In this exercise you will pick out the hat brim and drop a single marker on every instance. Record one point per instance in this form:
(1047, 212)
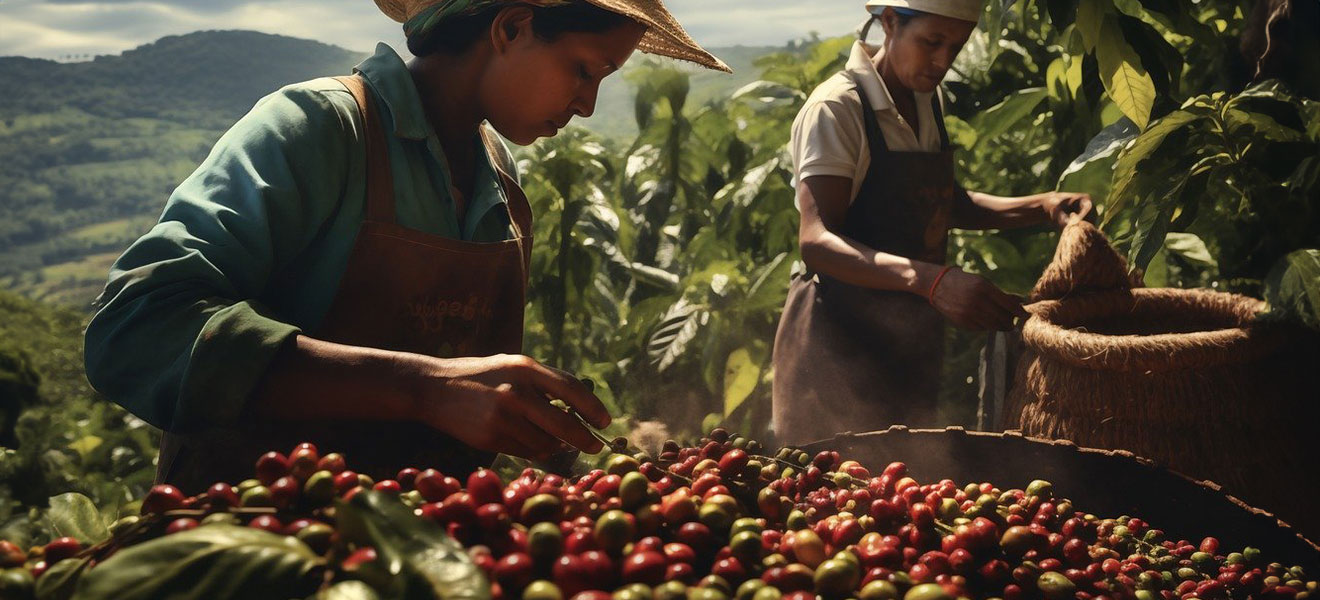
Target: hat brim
(664, 36)
(950, 10)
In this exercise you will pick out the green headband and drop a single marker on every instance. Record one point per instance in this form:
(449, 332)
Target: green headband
(425, 21)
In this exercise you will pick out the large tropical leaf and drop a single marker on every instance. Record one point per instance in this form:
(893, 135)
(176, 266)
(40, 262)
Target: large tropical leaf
(1090, 20)
(1007, 114)
(420, 561)
(770, 288)
(741, 374)
(1124, 77)
(1093, 171)
(1293, 288)
(214, 562)
(349, 590)
(676, 329)
(61, 580)
(74, 515)
(1145, 147)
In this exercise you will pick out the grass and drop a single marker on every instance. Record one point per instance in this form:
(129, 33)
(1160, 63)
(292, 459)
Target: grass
(126, 230)
(73, 284)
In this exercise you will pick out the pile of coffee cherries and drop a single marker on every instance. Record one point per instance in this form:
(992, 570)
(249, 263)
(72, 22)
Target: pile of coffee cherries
(721, 519)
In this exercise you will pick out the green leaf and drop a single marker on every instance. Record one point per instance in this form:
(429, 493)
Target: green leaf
(1191, 247)
(654, 276)
(741, 375)
(1144, 147)
(1123, 75)
(676, 329)
(61, 580)
(1292, 288)
(348, 590)
(208, 563)
(1006, 115)
(1092, 172)
(771, 286)
(74, 515)
(421, 561)
(961, 133)
(1247, 125)
(1090, 20)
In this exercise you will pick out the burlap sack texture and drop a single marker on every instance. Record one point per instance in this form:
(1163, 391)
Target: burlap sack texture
(1188, 378)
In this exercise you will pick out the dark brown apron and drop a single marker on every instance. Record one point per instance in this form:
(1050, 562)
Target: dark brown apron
(848, 358)
(402, 290)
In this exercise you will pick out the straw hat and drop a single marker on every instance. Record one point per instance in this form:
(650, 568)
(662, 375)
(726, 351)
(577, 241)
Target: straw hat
(966, 10)
(664, 36)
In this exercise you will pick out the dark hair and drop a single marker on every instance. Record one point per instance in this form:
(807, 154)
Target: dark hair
(455, 36)
(906, 15)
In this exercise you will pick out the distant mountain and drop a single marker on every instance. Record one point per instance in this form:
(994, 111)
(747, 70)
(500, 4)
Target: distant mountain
(90, 151)
(214, 76)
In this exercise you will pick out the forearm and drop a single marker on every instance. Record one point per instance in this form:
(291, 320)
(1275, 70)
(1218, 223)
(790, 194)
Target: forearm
(316, 379)
(978, 210)
(854, 263)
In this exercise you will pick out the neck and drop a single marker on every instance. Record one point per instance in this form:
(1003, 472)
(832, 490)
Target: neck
(897, 91)
(448, 85)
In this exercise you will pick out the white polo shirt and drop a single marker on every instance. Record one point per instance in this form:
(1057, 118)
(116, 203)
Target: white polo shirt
(829, 136)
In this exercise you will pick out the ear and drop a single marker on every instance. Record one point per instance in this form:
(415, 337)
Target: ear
(889, 22)
(513, 24)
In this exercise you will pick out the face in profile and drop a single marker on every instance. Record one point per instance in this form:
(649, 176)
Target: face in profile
(533, 87)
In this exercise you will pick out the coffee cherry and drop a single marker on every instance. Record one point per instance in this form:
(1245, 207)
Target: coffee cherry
(271, 466)
(60, 549)
(162, 498)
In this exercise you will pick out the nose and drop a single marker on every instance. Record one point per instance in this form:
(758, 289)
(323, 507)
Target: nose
(944, 58)
(584, 105)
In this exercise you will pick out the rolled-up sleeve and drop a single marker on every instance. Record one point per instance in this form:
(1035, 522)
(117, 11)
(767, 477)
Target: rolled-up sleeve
(180, 338)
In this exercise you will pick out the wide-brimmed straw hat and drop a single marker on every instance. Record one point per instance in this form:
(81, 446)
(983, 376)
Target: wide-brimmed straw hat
(664, 36)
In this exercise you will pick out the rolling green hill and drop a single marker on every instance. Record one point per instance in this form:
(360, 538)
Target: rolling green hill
(90, 151)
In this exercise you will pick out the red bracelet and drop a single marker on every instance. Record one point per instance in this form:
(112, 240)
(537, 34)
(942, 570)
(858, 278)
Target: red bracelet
(930, 297)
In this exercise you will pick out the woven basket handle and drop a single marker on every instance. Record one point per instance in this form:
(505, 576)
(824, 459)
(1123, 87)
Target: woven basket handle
(1083, 262)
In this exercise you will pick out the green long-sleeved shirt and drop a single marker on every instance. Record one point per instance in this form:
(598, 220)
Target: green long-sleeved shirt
(251, 247)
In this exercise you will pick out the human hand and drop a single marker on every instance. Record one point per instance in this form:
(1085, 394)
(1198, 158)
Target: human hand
(1063, 207)
(971, 302)
(502, 404)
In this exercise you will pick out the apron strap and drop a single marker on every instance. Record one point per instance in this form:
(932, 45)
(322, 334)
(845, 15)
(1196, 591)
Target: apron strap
(520, 211)
(877, 138)
(939, 119)
(874, 136)
(380, 181)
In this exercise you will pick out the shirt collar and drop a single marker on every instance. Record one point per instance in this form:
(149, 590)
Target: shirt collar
(861, 70)
(393, 84)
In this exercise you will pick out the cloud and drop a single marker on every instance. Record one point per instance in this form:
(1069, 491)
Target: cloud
(54, 28)
(51, 29)
(204, 6)
(764, 22)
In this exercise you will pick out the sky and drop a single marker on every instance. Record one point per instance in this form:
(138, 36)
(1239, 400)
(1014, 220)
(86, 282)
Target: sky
(57, 29)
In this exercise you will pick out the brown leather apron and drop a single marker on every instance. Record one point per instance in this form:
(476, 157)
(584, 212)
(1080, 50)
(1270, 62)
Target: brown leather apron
(402, 290)
(848, 358)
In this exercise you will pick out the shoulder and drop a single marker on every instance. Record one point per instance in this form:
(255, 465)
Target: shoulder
(835, 100)
(317, 111)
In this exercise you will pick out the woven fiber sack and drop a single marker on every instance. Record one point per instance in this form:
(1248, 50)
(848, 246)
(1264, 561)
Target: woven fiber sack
(1187, 378)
